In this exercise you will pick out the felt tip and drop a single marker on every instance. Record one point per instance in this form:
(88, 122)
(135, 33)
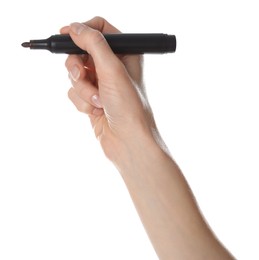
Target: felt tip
(26, 44)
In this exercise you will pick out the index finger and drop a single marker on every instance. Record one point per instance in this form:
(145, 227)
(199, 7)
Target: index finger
(98, 23)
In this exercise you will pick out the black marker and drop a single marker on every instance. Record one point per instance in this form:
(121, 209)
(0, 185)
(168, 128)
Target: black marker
(121, 43)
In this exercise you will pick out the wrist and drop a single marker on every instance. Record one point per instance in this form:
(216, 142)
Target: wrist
(137, 152)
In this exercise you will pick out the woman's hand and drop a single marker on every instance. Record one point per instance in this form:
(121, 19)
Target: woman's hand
(108, 88)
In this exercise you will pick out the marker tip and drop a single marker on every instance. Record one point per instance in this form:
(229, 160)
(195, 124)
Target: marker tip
(26, 44)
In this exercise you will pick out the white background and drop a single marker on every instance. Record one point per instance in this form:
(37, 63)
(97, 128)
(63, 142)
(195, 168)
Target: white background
(60, 198)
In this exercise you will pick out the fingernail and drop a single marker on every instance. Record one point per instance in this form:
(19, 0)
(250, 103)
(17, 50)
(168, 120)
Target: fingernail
(74, 73)
(77, 28)
(96, 101)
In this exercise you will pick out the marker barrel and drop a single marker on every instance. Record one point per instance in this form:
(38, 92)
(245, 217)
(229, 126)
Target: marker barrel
(120, 43)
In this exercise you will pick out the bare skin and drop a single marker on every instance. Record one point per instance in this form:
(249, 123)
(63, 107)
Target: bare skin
(109, 89)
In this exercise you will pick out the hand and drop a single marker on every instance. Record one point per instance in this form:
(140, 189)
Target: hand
(108, 88)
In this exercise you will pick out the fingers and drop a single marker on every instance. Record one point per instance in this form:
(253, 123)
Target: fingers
(88, 36)
(95, 44)
(87, 92)
(100, 24)
(84, 94)
(75, 67)
(131, 62)
(64, 30)
(80, 67)
(85, 97)
(99, 72)
(82, 105)
(97, 23)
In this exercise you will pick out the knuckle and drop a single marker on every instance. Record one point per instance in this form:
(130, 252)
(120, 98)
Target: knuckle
(80, 90)
(71, 61)
(84, 108)
(94, 38)
(100, 21)
(97, 37)
(98, 18)
(80, 108)
(67, 62)
(70, 94)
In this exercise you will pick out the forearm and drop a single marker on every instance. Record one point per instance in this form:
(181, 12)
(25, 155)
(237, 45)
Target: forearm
(166, 205)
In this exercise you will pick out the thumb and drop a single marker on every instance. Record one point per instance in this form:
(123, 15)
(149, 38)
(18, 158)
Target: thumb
(95, 44)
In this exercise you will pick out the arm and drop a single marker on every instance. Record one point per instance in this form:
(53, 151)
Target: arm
(110, 91)
(167, 207)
